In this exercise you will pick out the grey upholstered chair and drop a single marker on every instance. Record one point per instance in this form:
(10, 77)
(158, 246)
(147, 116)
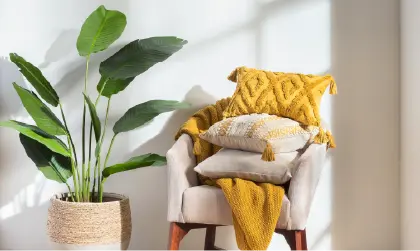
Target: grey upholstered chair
(192, 206)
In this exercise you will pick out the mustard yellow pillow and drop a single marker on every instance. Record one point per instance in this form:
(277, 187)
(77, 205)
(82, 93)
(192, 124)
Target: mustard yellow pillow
(292, 95)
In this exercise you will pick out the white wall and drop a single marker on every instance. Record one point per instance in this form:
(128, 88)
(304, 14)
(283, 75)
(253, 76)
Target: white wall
(410, 159)
(354, 40)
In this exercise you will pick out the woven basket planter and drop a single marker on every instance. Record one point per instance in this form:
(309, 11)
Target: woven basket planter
(81, 226)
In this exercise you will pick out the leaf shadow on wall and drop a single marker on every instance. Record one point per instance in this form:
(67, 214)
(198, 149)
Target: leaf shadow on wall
(148, 195)
(198, 98)
(9, 100)
(62, 46)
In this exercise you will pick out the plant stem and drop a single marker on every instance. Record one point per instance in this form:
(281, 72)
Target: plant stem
(70, 192)
(87, 185)
(106, 161)
(83, 129)
(90, 154)
(109, 149)
(73, 160)
(68, 132)
(102, 188)
(89, 162)
(101, 140)
(75, 174)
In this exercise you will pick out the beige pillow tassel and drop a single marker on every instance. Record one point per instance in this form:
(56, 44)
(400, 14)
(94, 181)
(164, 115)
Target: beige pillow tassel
(268, 154)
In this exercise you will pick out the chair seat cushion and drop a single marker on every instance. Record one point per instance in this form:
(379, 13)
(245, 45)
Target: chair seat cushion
(230, 163)
(208, 205)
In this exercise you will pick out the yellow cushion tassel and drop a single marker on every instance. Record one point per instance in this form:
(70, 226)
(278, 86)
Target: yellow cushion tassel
(325, 138)
(268, 154)
(333, 87)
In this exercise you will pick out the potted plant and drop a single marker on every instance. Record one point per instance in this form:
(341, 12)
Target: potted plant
(86, 216)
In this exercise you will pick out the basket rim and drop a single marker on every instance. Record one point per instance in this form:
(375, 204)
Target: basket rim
(121, 198)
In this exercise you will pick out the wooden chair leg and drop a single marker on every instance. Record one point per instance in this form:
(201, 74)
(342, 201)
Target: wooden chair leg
(296, 239)
(176, 233)
(210, 239)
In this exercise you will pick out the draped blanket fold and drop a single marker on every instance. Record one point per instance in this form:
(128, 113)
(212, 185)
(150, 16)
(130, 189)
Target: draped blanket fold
(255, 206)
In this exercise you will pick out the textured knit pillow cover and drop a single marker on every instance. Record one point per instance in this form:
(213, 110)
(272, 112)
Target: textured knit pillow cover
(291, 95)
(230, 163)
(261, 133)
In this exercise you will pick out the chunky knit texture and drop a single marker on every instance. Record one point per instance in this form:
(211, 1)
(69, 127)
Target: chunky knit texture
(255, 211)
(200, 122)
(255, 207)
(292, 95)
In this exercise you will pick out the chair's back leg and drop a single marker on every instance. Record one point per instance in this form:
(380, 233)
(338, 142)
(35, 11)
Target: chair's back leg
(176, 234)
(296, 239)
(210, 238)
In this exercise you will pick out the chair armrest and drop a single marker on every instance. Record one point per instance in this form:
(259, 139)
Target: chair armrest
(303, 184)
(181, 175)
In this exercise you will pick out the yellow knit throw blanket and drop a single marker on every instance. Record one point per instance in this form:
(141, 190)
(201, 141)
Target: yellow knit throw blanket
(255, 206)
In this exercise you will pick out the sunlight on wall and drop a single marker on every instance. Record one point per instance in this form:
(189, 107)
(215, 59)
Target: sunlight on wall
(278, 35)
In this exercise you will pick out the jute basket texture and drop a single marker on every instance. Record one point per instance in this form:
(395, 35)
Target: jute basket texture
(89, 223)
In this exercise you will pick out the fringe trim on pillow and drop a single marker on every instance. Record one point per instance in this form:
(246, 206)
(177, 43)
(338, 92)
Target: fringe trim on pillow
(233, 76)
(325, 138)
(333, 87)
(331, 141)
(268, 154)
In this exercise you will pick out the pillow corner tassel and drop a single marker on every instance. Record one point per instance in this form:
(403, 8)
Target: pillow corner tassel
(268, 154)
(333, 87)
(325, 138)
(320, 138)
(331, 141)
(233, 76)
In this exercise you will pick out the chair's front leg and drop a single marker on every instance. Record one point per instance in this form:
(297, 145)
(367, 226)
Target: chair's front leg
(176, 233)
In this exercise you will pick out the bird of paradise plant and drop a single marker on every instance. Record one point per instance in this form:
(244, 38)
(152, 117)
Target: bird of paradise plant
(57, 160)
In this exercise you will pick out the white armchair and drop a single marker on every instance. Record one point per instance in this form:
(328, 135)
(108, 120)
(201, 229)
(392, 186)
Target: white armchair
(191, 206)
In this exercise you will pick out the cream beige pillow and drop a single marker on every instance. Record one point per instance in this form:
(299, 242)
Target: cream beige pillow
(261, 133)
(230, 163)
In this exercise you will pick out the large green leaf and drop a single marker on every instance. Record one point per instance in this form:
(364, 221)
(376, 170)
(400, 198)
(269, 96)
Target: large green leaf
(149, 159)
(54, 166)
(100, 30)
(108, 87)
(144, 112)
(42, 115)
(95, 119)
(51, 142)
(37, 80)
(139, 55)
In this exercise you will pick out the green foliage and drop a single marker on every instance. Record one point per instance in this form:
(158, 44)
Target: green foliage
(100, 30)
(51, 142)
(139, 55)
(144, 112)
(57, 160)
(37, 80)
(40, 113)
(95, 119)
(134, 163)
(108, 87)
(53, 165)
